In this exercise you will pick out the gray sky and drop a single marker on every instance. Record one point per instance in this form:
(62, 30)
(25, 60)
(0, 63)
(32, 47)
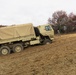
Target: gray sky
(32, 11)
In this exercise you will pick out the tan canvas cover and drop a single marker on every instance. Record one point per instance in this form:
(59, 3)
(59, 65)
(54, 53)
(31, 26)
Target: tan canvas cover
(16, 31)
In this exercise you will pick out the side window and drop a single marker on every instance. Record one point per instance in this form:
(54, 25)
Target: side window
(47, 28)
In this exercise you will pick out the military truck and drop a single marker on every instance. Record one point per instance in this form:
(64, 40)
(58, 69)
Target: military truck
(15, 38)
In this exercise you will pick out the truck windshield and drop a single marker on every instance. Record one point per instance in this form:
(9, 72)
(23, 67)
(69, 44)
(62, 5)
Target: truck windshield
(47, 28)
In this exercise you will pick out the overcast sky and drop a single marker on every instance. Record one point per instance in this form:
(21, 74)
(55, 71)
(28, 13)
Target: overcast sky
(32, 11)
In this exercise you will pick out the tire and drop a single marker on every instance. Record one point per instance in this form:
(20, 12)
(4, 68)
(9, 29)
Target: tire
(4, 50)
(17, 48)
(47, 41)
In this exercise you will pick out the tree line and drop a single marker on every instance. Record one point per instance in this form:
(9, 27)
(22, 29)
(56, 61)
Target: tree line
(63, 22)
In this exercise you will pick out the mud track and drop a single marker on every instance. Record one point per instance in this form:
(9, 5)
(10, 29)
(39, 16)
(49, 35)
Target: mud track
(58, 58)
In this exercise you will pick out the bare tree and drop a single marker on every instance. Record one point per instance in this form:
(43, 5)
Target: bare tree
(60, 20)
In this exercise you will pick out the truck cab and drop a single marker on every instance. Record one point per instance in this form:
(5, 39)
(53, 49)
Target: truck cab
(46, 33)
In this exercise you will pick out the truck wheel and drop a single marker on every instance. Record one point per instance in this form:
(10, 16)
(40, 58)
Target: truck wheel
(17, 48)
(47, 41)
(4, 50)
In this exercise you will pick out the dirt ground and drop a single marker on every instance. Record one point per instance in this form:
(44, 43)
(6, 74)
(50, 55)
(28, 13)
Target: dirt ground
(58, 58)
